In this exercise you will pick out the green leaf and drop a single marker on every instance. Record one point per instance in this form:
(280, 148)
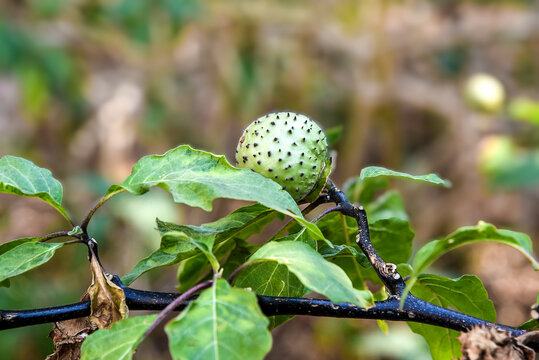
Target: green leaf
(237, 257)
(470, 234)
(344, 251)
(530, 325)
(377, 171)
(75, 231)
(364, 191)
(271, 279)
(22, 177)
(119, 342)
(24, 257)
(334, 135)
(192, 270)
(222, 323)
(14, 243)
(388, 205)
(302, 236)
(239, 224)
(10, 245)
(204, 242)
(342, 231)
(465, 294)
(391, 237)
(196, 178)
(313, 271)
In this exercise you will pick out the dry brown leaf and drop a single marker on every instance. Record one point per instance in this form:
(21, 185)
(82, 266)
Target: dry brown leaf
(68, 336)
(107, 299)
(483, 343)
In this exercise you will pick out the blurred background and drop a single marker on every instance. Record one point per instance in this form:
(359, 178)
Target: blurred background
(87, 87)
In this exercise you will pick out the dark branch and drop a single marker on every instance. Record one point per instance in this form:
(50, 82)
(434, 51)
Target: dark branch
(414, 309)
(387, 272)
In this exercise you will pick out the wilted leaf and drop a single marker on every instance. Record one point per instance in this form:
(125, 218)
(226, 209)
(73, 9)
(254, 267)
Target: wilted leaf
(107, 299)
(68, 337)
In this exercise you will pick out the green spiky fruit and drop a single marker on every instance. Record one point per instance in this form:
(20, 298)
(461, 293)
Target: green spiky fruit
(289, 148)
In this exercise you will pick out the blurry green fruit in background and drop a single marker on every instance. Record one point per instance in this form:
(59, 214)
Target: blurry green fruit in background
(508, 166)
(484, 92)
(526, 110)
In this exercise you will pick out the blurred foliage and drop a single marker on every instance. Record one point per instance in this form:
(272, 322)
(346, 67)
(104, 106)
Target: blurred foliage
(87, 87)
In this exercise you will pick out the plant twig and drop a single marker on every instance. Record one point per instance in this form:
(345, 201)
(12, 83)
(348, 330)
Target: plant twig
(387, 272)
(174, 303)
(86, 221)
(54, 235)
(414, 309)
(318, 217)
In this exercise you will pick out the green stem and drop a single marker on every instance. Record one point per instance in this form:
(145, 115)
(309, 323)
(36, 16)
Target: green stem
(54, 235)
(84, 225)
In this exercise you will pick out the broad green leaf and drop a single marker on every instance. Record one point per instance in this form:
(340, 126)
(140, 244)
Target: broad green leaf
(196, 178)
(344, 251)
(364, 191)
(241, 223)
(272, 279)
(388, 205)
(222, 323)
(377, 171)
(14, 243)
(470, 234)
(22, 177)
(204, 242)
(333, 135)
(392, 239)
(303, 236)
(530, 325)
(342, 231)
(313, 271)
(465, 294)
(119, 342)
(191, 271)
(170, 252)
(10, 245)
(24, 257)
